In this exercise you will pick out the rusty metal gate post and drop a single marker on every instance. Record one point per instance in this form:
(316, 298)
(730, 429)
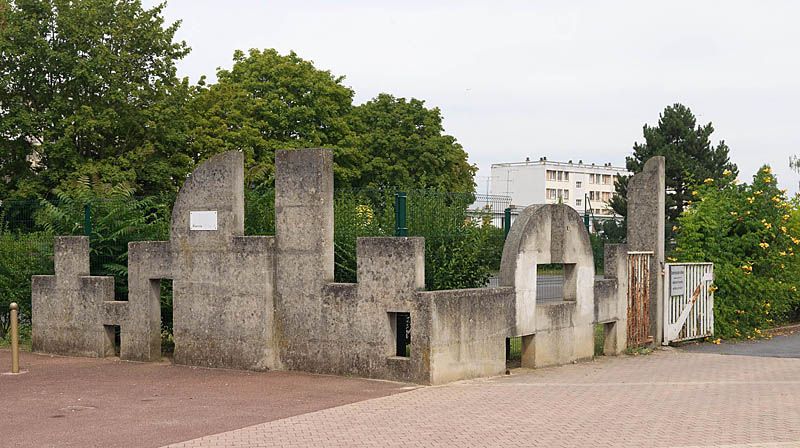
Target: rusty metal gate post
(639, 298)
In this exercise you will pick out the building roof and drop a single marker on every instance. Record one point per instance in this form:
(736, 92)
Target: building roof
(544, 162)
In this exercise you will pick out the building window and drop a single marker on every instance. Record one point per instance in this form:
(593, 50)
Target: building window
(566, 176)
(551, 193)
(560, 175)
(551, 175)
(578, 202)
(606, 179)
(566, 194)
(578, 184)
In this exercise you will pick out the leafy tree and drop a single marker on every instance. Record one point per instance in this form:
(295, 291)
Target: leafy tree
(268, 101)
(752, 235)
(690, 158)
(88, 88)
(117, 216)
(401, 142)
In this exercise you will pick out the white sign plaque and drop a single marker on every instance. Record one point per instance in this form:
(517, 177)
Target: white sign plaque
(203, 220)
(677, 280)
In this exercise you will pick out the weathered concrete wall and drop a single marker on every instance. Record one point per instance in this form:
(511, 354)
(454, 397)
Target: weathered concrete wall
(553, 333)
(646, 196)
(222, 286)
(355, 334)
(140, 317)
(268, 303)
(222, 281)
(346, 329)
(66, 306)
(468, 332)
(610, 299)
(304, 244)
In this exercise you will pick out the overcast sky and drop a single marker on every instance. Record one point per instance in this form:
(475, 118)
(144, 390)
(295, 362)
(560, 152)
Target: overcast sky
(514, 79)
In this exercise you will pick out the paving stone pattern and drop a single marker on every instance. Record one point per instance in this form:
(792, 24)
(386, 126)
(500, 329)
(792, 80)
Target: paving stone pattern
(667, 399)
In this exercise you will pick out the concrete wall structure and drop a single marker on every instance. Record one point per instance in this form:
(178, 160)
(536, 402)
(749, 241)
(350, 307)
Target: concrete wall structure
(560, 332)
(270, 302)
(253, 302)
(611, 299)
(67, 306)
(646, 217)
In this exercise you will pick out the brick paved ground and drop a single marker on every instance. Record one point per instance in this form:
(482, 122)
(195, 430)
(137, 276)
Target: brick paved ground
(82, 402)
(669, 398)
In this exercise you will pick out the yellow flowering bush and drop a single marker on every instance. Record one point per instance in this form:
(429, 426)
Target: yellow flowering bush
(752, 235)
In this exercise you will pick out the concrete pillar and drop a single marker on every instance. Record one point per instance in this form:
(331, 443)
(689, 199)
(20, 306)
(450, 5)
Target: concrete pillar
(304, 248)
(646, 197)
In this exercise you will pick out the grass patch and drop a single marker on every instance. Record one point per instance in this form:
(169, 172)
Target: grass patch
(637, 351)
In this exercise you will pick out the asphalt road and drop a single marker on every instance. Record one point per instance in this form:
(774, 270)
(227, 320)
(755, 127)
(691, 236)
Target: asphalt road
(781, 346)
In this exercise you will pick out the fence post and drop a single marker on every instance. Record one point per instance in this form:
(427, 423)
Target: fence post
(506, 222)
(400, 227)
(87, 220)
(587, 207)
(14, 337)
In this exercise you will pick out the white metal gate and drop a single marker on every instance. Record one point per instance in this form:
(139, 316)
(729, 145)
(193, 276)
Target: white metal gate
(688, 301)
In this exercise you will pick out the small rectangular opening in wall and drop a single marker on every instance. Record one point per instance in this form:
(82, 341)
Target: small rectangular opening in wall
(401, 333)
(513, 352)
(165, 300)
(114, 339)
(599, 339)
(556, 282)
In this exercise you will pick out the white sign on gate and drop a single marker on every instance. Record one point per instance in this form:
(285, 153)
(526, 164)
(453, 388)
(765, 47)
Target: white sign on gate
(677, 280)
(688, 301)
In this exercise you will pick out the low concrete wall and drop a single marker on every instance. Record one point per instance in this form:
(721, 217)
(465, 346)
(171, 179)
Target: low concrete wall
(564, 337)
(468, 332)
(354, 334)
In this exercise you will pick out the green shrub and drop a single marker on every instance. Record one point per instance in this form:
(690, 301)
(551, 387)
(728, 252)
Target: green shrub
(459, 251)
(24, 337)
(752, 235)
(117, 218)
(21, 256)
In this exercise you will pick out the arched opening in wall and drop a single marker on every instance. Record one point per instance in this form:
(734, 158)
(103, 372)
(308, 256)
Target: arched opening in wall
(164, 286)
(555, 282)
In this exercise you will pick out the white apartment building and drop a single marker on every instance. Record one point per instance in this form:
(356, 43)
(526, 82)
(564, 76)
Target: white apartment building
(547, 182)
